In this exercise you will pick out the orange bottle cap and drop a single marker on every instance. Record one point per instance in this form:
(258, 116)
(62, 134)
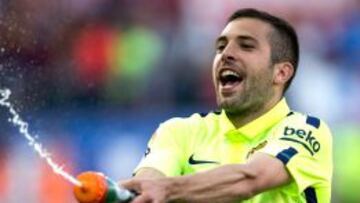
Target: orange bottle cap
(93, 188)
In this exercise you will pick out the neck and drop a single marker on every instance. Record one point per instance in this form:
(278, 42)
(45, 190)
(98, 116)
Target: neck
(242, 118)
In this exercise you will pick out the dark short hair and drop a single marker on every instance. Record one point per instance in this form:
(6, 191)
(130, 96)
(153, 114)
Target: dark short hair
(284, 41)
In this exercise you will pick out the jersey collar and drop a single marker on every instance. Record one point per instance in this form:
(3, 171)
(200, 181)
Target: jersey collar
(257, 126)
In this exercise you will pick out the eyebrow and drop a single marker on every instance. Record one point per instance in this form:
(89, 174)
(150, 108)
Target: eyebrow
(241, 37)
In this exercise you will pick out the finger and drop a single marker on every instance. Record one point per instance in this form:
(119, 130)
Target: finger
(130, 185)
(123, 182)
(142, 199)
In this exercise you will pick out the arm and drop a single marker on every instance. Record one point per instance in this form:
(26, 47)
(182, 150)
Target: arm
(224, 184)
(232, 182)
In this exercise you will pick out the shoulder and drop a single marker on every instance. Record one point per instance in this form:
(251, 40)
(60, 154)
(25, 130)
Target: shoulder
(196, 120)
(185, 130)
(305, 121)
(307, 130)
(303, 143)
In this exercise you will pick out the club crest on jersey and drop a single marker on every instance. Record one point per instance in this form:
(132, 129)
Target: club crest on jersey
(302, 137)
(257, 148)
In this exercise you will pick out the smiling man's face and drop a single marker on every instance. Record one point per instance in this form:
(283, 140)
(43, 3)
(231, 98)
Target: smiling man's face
(242, 67)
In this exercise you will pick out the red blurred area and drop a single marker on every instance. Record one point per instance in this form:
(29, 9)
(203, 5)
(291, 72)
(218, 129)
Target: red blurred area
(4, 175)
(52, 187)
(92, 50)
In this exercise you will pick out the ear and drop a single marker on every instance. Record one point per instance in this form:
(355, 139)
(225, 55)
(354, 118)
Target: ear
(283, 71)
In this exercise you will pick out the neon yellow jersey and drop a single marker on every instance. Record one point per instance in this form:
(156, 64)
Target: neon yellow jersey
(201, 142)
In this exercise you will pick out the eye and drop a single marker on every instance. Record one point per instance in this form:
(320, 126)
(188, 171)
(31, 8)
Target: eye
(247, 46)
(220, 47)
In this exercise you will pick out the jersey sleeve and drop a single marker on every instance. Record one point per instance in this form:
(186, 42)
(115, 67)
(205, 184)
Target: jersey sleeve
(164, 151)
(304, 145)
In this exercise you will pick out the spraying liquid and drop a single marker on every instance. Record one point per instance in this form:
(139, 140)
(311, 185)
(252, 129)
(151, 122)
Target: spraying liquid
(23, 129)
(90, 187)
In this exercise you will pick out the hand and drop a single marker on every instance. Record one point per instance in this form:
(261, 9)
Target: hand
(149, 190)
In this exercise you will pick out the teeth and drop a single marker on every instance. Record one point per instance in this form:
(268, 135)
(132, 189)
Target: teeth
(229, 73)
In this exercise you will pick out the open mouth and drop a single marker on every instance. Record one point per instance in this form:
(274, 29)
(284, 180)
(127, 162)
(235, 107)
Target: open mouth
(229, 78)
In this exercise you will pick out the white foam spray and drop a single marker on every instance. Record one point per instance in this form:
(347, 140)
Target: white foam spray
(23, 129)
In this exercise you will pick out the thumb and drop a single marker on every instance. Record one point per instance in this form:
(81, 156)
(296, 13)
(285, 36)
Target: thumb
(130, 184)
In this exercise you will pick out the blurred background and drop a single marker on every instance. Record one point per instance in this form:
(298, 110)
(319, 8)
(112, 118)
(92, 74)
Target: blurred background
(94, 78)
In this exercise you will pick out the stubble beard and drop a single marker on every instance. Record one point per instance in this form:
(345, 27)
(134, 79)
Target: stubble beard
(249, 101)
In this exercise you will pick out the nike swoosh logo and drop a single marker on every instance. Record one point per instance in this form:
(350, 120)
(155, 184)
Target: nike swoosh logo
(192, 161)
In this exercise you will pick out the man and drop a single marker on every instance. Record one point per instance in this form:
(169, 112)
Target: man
(255, 149)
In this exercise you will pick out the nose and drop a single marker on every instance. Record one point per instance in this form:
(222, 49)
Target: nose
(228, 54)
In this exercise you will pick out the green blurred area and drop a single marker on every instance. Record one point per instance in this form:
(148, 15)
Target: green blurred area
(346, 185)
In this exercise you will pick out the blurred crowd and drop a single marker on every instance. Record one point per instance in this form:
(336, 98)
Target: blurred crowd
(94, 78)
